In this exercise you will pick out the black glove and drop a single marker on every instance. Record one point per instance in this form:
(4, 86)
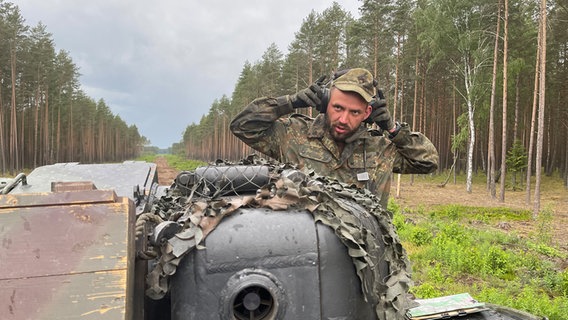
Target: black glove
(309, 97)
(380, 114)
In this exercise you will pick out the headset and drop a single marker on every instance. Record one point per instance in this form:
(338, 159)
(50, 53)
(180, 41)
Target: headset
(326, 89)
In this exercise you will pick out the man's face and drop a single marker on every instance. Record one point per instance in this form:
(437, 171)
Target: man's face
(345, 112)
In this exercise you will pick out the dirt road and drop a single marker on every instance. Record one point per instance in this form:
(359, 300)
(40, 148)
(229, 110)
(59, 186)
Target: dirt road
(166, 174)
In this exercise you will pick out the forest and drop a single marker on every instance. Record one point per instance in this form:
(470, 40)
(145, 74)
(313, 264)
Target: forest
(485, 80)
(45, 117)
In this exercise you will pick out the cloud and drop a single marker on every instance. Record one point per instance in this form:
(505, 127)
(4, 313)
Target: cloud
(161, 64)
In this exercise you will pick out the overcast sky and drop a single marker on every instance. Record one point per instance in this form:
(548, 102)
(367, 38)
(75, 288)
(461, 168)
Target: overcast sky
(161, 64)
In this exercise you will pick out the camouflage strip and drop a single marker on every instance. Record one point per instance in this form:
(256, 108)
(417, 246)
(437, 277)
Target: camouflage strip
(331, 202)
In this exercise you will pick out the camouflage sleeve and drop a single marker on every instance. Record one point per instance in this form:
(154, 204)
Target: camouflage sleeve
(415, 152)
(257, 124)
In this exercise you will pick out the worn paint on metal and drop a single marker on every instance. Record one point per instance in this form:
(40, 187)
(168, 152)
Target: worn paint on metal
(52, 199)
(66, 255)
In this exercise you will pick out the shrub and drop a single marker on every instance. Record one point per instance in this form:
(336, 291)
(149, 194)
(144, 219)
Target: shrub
(425, 291)
(451, 255)
(420, 236)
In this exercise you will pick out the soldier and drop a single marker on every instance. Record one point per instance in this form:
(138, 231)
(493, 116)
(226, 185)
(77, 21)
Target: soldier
(337, 143)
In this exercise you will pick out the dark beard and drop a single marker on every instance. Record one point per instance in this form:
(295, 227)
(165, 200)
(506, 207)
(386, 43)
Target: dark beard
(333, 134)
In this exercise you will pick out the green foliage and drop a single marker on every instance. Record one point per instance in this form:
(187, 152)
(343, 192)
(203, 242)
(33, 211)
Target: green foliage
(393, 206)
(546, 250)
(516, 160)
(183, 164)
(426, 290)
(450, 255)
(530, 299)
(481, 214)
(420, 236)
(450, 211)
(544, 226)
(563, 283)
(174, 161)
(149, 157)
(459, 140)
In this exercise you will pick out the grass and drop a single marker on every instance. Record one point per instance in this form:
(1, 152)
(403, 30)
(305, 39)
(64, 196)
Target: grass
(175, 161)
(548, 183)
(455, 249)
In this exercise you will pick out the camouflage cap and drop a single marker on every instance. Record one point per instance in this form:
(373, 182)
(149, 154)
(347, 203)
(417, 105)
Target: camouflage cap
(357, 80)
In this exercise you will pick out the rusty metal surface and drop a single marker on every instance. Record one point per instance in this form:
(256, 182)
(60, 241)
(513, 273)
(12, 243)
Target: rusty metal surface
(51, 199)
(66, 256)
(66, 186)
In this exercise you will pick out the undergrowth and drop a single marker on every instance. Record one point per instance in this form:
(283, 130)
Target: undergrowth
(455, 249)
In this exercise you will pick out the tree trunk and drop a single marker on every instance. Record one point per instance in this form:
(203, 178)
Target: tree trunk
(550, 152)
(46, 159)
(396, 100)
(13, 122)
(533, 118)
(469, 174)
(2, 145)
(21, 137)
(566, 160)
(541, 105)
(58, 134)
(517, 106)
(491, 133)
(454, 131)
(399, 176)
(471, 125)
(415, 102)
(71, 139)
(36, 125)
(375, 55)
(505, 68)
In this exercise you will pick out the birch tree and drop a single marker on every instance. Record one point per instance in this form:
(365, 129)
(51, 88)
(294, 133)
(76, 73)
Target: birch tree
(460, 25)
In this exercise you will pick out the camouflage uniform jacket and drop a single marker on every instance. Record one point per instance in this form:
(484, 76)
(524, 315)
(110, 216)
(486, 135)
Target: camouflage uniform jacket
(304, 141)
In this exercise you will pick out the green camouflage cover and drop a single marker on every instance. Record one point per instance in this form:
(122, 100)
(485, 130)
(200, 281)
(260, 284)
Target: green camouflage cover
(331, 202)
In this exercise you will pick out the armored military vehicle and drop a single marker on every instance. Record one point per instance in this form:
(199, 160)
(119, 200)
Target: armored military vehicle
(226, 241)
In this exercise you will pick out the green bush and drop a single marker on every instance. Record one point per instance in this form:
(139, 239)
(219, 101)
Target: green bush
(563, 283)
(426, 291)
(420, 236)
(497, 262)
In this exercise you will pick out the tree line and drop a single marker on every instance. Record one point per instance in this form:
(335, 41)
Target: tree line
(45, 117)
(465, 73)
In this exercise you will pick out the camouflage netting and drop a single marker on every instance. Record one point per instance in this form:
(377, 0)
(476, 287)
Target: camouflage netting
(197, 207)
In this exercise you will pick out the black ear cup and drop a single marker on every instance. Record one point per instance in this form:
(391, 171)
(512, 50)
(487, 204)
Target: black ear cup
(322, 107)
